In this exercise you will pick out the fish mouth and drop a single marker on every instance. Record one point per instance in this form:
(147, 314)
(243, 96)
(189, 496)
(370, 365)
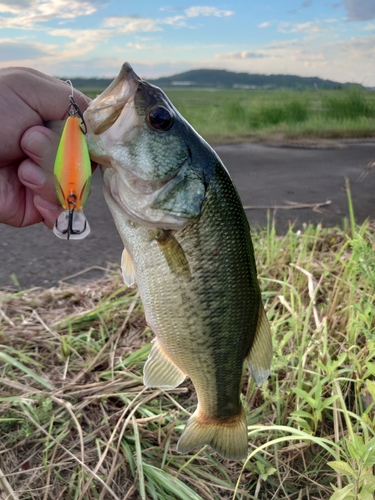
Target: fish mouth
(107, 107)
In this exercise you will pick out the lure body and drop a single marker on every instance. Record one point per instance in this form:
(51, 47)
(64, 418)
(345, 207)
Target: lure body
(72, 180)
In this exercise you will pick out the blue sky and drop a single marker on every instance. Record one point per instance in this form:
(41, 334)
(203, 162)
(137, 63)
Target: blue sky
(327, 38)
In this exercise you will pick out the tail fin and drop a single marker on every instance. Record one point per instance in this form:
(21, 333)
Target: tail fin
(228, 437)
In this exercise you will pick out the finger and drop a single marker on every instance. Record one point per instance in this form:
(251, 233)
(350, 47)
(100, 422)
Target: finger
(16, 201)
(40, 145)
(48, 211)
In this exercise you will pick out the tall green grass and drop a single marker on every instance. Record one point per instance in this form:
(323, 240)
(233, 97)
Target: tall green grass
(263, 115)
(77, 423)
(349, 106)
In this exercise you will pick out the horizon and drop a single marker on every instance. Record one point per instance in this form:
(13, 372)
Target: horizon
(333, 40)
(199, 69)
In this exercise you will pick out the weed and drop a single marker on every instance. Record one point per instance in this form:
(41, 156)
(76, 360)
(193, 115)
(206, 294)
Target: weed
(77, 422)
(352, 104)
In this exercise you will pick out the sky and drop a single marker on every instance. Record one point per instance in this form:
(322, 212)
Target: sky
(331, 39)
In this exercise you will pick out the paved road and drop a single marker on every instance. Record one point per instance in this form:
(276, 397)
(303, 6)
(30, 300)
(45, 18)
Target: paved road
(265, 176)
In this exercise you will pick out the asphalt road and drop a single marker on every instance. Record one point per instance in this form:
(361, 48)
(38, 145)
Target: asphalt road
(264, 176)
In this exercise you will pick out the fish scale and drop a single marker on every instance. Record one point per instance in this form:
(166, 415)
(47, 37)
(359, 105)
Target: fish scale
(191, 255)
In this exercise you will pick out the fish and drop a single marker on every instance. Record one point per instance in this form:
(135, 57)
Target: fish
(187, 246)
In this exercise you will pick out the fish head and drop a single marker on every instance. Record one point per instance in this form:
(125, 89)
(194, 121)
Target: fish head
(144, 147)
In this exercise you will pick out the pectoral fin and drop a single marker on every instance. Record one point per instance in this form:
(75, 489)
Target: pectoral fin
(260, 355)
(173, 253)
(160, 371)
(127, 268)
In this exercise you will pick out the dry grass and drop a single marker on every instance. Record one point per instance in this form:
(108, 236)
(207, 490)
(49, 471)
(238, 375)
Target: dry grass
(77, 423)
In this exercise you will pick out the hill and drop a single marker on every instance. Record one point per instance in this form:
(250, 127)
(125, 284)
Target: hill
(219, 78)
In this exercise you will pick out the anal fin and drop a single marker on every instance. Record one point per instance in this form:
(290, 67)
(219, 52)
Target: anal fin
(260, 356)
(127, 268)
(160, 371)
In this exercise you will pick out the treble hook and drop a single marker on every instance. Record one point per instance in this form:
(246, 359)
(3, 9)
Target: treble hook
(74, 219)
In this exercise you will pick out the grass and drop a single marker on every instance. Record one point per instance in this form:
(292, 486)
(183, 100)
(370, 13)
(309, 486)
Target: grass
(239, 115)
(77, 423)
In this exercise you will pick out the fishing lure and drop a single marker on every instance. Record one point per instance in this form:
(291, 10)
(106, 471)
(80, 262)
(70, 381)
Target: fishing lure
(72, 173)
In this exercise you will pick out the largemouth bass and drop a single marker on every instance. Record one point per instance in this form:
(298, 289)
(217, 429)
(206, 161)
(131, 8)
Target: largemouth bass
(188, 248)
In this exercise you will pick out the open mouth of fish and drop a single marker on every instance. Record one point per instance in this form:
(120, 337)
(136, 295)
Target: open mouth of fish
(110, 104)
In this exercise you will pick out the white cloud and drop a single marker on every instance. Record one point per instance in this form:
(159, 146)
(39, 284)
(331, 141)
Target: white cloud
(29, 14)
(140, 46)
(81, 43)
(132, 24)
(206, 11)
(179, 21)
(81, 36)
(264, 25)
(135, 24)
(239, 55)
(26, 14)
(308, 27)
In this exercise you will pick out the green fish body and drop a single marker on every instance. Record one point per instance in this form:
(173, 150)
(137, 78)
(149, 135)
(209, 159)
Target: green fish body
(188, 248)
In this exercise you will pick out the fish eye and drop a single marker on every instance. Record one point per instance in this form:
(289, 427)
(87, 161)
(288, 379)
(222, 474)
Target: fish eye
(160, 118)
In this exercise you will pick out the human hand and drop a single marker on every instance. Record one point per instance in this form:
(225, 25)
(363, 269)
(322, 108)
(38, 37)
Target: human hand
(29, 98)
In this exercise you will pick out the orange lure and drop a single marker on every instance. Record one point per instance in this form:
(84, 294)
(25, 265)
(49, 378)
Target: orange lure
(72, 172)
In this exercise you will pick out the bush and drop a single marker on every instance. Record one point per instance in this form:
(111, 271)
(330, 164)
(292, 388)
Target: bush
(293, 111)
(351, 105)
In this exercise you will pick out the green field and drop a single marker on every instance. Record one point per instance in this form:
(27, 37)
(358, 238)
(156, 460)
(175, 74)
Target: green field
(241, 115)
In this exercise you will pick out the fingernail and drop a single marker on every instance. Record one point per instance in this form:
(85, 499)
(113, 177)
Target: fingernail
(35, 141)
(32, 174)
(40, 202)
